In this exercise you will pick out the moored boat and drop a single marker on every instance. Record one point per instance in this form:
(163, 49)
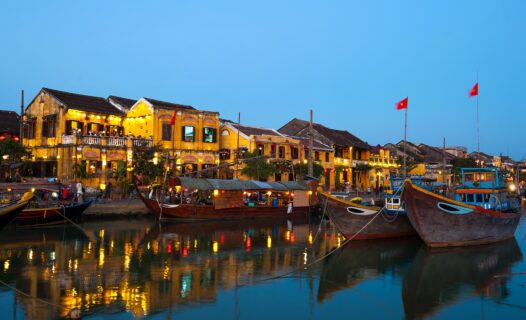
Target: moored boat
(51, 215)
(482, 212)
(9, 211)
(215, 199)
(358, 222)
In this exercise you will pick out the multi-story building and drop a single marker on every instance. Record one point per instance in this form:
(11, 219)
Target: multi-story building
(265, 142)
(351, 154)
(382, 166)
(65, 130)
(187, 133)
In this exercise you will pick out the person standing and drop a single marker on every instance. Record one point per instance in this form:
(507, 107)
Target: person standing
(79, 191)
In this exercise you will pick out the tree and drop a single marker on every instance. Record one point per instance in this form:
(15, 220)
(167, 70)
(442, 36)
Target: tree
(257, 168)
(303, 169)
(409, 162)
(80, 170)
(143, 161)
(13, 150)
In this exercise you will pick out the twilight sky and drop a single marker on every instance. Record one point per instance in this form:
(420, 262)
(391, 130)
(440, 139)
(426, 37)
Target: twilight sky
(273, 60)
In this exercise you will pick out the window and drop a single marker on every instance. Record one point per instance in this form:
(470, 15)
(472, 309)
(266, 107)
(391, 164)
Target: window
(209, 135)
(281, 152)
(73, 127)
(188, 134)
(29, 128)
(470, 198)
(294, 153)
(49, 126)
(317, 155)
(167, 131)
(327, 157)
(338, 152)
(273, 150)
(478, 198)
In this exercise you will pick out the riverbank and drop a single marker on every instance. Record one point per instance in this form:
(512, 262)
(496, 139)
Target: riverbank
(117, 208)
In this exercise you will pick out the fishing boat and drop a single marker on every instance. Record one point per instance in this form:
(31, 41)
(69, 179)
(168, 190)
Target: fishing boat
(51, 215)
(216, 199)
(482, 212)
(9, 211)
(392, 197)
(359, 222)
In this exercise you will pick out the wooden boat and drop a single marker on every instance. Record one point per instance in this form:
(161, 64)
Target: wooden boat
(440, 277)
(359, 222)
(51, 215)
(216, 199)
(392, 197)
(481, 214)
(9, 211)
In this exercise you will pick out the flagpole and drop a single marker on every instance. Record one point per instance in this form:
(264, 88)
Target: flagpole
(478, 124)
(237, 149)
(405, 142)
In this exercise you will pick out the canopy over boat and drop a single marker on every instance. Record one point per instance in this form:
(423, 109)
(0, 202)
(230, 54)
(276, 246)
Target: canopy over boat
(242, 185)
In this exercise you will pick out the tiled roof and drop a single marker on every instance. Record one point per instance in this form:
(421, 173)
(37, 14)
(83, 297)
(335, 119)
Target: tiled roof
(316, 144)
(83, 102)
(125, 102)
(255, 131)
(9, 122)
(168, 105)
(297, 127)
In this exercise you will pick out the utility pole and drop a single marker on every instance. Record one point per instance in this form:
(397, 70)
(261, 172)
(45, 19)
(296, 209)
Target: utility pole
(236, 176)
(21, 135)
(311, 167)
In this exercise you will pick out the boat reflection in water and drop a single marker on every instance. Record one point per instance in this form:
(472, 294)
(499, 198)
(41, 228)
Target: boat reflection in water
(142, 268)
(358, 261)
(441, 277)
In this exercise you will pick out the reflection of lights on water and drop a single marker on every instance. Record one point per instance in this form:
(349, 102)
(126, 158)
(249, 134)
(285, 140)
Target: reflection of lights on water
(310, 237)
(169, 247)
(215, 246)
(76, 265)
(248, 244)
(6, 265)
(305, 256)
(53, 268)
(195, 244)
(292, 237)
(186, 285)
(30, 255)
(52, 256)
(222, 239)
(101, 257)
(166, 272)
(185, 252)
(70, 265)
(287, 235)
(269, 241)
(101, 233)
(126, 263)
(148, 246)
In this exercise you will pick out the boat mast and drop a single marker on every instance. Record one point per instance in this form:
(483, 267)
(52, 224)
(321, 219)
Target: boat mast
(21, 117)
(405, 143)
(311, 169)
(444, 162)
(478, 125)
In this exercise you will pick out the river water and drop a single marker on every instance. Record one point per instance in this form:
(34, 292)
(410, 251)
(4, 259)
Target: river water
(256, 269)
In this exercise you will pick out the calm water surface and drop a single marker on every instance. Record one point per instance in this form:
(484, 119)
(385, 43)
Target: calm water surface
(251, 270)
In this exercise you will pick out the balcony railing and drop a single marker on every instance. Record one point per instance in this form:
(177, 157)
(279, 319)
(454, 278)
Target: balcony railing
(91, 140)
(116, 141)
(68, 139)
(142, 143)
(359, 162)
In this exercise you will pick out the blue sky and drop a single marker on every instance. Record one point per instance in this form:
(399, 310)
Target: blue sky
(350, 61)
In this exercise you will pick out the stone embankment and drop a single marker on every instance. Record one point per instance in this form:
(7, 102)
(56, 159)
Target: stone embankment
(117, 208)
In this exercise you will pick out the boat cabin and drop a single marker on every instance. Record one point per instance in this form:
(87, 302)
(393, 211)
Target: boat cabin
(484, 187)
(222, 194)
(392, 198)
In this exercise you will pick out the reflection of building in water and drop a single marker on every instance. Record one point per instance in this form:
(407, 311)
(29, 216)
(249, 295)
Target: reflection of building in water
(174, 267)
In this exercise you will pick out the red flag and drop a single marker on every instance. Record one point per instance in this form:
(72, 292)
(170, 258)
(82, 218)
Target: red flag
(172, 121)
(402, 104)
(475, 90)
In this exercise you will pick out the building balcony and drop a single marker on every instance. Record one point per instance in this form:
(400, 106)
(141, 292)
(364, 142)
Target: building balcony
(356, 163)
(109, 141)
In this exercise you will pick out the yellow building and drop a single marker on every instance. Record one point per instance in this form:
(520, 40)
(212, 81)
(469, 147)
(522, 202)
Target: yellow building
(65, 130)
(383, 165)
(351, 154)
(192, 137)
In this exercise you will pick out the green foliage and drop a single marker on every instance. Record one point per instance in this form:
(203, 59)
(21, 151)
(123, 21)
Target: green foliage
(80, 170)
(119, 172)
(337, 173)
(258, 169)
(143, 164)
(409, 162)
(303, 169)
(12, 149)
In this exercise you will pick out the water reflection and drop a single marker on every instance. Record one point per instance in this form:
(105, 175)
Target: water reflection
(441, 277)
(143, 267)
(361, 260)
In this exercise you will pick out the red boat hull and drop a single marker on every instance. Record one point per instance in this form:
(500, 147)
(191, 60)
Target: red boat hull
(53, 215)
(439, 228)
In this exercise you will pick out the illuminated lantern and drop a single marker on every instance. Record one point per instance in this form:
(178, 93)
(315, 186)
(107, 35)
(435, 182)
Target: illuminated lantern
(169, 249)
(216, 193)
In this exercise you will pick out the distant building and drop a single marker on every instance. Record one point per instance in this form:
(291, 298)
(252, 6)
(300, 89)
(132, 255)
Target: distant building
(351, 154)
(9, 125)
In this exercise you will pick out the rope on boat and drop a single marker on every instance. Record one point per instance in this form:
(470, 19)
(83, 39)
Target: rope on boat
(321, 220)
